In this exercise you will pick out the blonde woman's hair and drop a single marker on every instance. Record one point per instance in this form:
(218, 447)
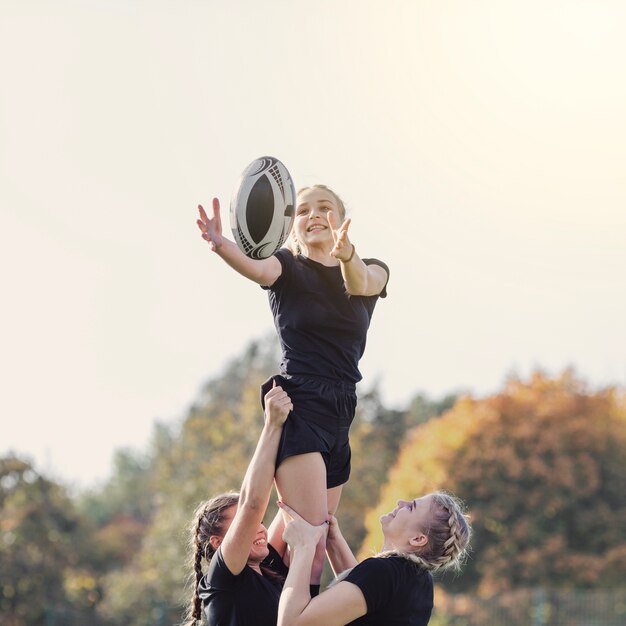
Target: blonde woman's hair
(448, 535)
(292, 243)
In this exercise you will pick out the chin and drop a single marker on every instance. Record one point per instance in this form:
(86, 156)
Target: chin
(261, 552)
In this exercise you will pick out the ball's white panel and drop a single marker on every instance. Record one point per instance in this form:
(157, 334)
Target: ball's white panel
(262, 207)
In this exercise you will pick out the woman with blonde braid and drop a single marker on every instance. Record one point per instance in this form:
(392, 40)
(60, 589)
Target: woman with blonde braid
(394, 588)
(245, 573)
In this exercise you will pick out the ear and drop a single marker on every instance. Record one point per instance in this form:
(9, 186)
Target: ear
(419, 541)
(215, 541)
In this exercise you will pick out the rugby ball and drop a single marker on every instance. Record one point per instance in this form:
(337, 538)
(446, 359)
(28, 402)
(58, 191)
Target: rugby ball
(262, 208)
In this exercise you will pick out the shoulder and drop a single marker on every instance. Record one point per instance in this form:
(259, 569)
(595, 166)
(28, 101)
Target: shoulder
(372, 261)
(378, 263)
(372, 567)
(218, 575)
(286, 258)
(387, 575)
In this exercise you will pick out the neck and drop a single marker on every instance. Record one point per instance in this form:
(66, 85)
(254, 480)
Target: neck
(390, 545)
(320, 255)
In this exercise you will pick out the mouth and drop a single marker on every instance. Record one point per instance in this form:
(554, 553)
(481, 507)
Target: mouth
(315, 227)
(260, 542)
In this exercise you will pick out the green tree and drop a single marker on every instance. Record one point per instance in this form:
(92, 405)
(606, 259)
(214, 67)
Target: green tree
(42, 577)
(119, 513)
(542, 466)
(208, 455)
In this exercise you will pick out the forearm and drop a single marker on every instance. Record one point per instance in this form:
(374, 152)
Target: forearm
(252, 269)
(339, 554)
(296, 595)
(355, 275)
(257, 483)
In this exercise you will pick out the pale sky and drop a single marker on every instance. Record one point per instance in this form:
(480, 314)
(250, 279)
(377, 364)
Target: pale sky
(480, 147)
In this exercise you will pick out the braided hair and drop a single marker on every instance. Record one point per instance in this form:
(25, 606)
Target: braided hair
(208, 520)
(448, 536)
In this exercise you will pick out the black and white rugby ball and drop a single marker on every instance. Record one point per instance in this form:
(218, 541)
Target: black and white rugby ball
(262, 208)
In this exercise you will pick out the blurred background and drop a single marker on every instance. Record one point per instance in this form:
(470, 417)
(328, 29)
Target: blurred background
(480, 149)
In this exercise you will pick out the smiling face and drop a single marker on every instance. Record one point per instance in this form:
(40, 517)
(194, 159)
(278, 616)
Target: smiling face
(259, 549)
(311, 228)
(407, 526)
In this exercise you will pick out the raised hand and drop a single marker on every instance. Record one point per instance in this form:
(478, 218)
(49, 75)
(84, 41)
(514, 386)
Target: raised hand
(211, 228)
(298, 532)
(342, 249)
(277, 405)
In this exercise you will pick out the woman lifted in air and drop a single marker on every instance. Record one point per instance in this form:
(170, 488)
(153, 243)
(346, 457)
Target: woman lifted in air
(322, 296)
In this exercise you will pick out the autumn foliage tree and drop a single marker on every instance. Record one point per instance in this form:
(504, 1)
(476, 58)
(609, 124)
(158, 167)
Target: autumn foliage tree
(44, 578)
(209, 455)
(542, 467)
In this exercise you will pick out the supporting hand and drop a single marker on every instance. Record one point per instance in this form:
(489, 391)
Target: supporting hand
(298, 532)
(277, 405)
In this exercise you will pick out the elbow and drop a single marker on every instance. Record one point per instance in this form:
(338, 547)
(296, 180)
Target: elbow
(359, 289)
(352, 291)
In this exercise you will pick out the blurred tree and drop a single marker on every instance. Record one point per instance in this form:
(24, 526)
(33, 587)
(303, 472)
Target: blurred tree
(118, 513)
(542, 466)
(375, 439)
(126, 493)
(208, 456)
(422, 408)
(40, 539)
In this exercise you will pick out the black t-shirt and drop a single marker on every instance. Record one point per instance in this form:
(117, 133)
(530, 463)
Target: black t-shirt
(396, 591)
(247, 599)
(322, 329)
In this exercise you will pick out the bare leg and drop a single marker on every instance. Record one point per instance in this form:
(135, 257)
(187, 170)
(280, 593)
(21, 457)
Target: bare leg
(332, 498)
(301, 483)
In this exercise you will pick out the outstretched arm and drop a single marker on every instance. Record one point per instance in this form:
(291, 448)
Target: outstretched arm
(261, 271)
(257, 483)
(360, 279)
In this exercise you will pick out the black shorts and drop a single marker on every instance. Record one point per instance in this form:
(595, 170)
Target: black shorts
(323, 411)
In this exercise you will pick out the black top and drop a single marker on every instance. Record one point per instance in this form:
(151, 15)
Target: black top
(322, 329)
(396, 591)
(247, 599)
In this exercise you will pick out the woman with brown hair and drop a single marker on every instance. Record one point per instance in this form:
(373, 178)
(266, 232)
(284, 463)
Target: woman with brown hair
(241, 583)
